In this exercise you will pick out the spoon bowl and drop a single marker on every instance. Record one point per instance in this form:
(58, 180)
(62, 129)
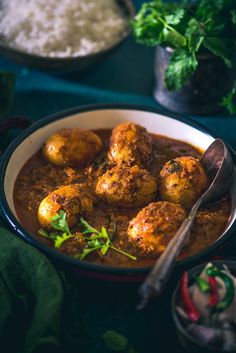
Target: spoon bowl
(218, 166)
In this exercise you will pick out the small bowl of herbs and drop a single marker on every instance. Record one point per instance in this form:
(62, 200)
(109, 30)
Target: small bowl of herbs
(196, 45)
(204, 308)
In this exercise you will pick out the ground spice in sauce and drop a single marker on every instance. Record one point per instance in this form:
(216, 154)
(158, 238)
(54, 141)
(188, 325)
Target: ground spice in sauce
(38, 178)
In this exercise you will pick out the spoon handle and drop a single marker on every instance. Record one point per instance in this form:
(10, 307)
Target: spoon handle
(157, 278)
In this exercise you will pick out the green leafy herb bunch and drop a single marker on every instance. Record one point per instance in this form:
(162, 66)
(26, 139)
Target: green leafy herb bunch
(189, 27)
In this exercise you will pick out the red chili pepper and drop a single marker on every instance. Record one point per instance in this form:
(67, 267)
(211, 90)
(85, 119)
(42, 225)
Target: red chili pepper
(213, 298)
(188, 304)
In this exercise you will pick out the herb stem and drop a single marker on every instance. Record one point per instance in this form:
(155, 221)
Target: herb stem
(86, 252)
(123, 252)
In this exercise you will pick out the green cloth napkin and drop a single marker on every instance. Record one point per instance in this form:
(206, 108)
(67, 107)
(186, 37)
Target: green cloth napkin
(39, 309)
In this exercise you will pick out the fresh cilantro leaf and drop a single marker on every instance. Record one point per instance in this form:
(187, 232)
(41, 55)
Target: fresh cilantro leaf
(149, 33)
(98, 241)
(59, 222)
(218, 47)
(181, 67)
(115, 341)
(229, 102)
(87, 227)
(215, 15)
(111, 246)
(105, 248)
(107, 244)
(94, 243)
(7, 84)
(147, 26)
(195, 35)
(171, 35)
(153, 25)
(104, 233)
(61, 238)
(194, 42)
(175, 17)
(209, 8)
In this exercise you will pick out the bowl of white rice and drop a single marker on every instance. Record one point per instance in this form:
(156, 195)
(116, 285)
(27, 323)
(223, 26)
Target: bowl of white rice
(64, 35)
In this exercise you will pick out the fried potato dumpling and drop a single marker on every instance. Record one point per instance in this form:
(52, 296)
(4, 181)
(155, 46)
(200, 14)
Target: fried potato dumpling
(127, 187)
(154, 226)
(70, 198)
(130, 144)
(182, 180)
(68, 147)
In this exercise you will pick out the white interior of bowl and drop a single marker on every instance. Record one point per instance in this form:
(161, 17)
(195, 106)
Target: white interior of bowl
(155, 123)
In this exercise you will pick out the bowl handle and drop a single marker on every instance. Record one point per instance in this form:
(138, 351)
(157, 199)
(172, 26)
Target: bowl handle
(14, 122)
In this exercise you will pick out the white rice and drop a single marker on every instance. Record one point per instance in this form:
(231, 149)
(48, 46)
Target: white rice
(60, 28)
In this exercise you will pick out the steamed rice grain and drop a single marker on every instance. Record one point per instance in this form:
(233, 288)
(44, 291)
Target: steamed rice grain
(60, 28)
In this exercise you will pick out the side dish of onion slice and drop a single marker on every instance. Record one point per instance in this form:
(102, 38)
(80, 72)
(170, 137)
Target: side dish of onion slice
(205, 307)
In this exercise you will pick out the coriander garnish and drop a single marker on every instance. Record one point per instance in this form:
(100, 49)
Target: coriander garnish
(96, 241)
(99, 240)
(59, 223)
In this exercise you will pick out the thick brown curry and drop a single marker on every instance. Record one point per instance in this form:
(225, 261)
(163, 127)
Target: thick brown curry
(38, 178)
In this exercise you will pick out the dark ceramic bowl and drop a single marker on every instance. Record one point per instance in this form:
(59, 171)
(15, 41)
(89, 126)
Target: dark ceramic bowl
(95, 117)
(189, 343)
(69, 64)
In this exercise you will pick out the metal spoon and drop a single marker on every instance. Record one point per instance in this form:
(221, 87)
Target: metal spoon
(218, 165)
